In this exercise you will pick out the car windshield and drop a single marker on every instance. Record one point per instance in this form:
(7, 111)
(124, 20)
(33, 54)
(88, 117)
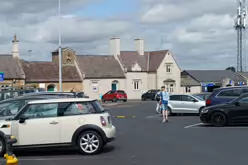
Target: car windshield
(121, 92)
(198, 97)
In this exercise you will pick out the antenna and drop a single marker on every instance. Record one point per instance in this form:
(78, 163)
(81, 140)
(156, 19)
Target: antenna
(240, 27)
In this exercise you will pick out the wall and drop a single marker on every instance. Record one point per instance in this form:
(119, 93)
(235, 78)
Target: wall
(193, 90)
(152, 81)
(143, 86)
(175, 73)
(66, 87)
(104, 85)
(9, 82)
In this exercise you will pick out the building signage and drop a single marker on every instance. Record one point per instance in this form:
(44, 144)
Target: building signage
(208, 84)
(95, 87)
(1, 76)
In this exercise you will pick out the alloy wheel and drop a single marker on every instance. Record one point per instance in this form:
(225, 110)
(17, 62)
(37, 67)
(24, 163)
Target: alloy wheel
(89, 143)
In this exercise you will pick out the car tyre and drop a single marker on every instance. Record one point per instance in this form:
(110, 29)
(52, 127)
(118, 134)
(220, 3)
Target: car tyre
(2, 146)
(124, 100)
(90, 143)
(115, 99)
(103, 100)
(218, 119)
(143, 99)
(170, 112)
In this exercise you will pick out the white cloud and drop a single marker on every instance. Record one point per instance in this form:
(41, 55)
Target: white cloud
(197, 31)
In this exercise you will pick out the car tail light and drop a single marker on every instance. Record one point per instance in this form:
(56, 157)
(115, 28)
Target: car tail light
(208, 102)
(103, 121)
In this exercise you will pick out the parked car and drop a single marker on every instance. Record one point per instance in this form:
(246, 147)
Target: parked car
(9, 107)
(220, 115)
(204, 95)
(60, 122)
(6, 94)
(114, 96)
(225, 95)
(149, 95)
(185, 103)
(60, 94)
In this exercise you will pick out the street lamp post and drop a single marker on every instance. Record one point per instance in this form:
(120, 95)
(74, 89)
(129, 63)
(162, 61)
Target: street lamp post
(60, 58)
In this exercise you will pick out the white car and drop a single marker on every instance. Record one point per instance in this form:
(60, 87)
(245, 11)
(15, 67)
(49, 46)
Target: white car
(80, 122)
(185, 103)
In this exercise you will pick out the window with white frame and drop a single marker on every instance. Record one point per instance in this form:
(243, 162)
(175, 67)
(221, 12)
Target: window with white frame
(136, 84)
(168, 68)
(171, 88)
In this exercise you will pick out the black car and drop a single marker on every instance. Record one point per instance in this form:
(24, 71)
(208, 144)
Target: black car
(6, 94)
(220, 115)
(59, 94)
(10, 107)
(149, 95)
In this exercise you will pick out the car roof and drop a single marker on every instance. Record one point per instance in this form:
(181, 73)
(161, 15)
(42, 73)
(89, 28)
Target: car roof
(62, 100)
(49, 93)
(27, 97)
(232, 87)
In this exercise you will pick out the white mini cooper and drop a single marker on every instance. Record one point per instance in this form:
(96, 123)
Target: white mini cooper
(80, 122)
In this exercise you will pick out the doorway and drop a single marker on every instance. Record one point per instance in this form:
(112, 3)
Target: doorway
(51, 88)
(114, 85)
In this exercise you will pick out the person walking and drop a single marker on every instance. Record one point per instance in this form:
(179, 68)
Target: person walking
(164, 97)
(157, 97)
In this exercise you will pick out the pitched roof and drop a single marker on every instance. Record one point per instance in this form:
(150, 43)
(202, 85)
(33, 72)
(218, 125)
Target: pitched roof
(11, 67)
(49, 72)
(214, 75)
(244, 74)
(62, 49)
(150, 61)
(100, 66)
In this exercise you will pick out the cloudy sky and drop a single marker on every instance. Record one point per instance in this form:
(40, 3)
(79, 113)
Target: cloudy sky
(199, 33)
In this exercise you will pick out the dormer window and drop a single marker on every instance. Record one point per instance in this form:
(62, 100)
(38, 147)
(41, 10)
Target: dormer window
(68, 58)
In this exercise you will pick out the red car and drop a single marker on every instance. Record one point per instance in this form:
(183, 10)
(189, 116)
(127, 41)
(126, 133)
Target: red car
(114, 96)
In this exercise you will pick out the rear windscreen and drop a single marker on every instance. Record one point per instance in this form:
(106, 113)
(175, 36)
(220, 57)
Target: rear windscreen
(121, 92)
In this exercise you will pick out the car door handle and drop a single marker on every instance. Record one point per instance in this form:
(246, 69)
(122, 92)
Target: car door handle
(54, 122)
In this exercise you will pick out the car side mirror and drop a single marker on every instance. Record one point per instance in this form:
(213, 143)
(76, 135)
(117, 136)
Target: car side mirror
(22, 119)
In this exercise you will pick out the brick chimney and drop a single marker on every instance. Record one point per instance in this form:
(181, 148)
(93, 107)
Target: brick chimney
(115, 44)
(139, 46)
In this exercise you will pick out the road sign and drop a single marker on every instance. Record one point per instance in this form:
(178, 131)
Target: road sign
(1, 76)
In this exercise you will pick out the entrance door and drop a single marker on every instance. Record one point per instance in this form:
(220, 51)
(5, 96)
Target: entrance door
(50, 88)
(113, 87)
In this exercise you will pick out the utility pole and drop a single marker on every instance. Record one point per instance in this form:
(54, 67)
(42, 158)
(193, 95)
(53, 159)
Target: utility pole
(60, 58)
(240, 27)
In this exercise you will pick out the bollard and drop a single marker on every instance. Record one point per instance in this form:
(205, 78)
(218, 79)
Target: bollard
(9, 156)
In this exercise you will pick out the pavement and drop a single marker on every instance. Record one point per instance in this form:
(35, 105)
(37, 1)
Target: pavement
(143, 140)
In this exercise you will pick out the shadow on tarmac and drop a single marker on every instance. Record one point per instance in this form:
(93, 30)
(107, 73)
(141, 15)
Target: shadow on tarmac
(59, 151)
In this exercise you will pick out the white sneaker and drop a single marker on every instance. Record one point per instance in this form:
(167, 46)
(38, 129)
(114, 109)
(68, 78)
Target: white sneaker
(163, 121)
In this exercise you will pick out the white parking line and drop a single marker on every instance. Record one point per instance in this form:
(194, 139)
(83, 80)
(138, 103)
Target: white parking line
(193, 125)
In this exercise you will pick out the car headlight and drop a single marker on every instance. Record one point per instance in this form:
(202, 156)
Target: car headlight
(204, 110)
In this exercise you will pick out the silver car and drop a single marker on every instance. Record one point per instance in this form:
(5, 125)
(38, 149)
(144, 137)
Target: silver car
(185, 103)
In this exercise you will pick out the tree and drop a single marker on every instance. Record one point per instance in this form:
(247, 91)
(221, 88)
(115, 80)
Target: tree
(231, 68)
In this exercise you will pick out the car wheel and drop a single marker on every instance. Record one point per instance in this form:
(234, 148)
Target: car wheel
(115, 99)
(143, 99)
(169, 111)
(2, 146)
(90, 143)
(124, 100)
(103, 100)
(218, 119)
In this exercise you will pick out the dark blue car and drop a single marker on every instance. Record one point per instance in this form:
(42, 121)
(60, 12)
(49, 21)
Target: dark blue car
(225, 95)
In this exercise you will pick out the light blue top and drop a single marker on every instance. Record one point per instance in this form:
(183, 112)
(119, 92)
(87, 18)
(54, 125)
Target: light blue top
(165, 96)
